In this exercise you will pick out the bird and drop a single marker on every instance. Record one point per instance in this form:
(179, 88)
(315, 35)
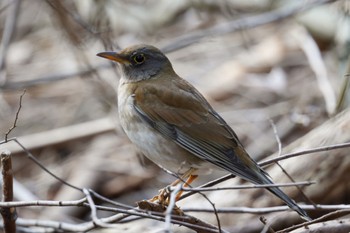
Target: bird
(174, 125)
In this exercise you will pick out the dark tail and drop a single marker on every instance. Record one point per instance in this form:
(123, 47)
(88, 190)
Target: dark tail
(291, 203)
(279, 193)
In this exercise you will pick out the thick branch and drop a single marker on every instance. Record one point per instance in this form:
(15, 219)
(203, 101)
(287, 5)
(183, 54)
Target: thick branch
(8, 214)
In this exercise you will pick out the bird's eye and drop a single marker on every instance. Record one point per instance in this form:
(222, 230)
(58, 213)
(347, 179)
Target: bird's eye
(139, 58)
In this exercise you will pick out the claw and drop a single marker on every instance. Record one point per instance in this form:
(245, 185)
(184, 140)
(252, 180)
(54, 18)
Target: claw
(161, 201)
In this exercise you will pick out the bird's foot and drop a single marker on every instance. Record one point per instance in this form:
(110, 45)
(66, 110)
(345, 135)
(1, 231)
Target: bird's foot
(160, 202)
(156, 207)
(163, 196)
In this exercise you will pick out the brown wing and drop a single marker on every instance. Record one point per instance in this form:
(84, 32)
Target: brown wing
(181, 113)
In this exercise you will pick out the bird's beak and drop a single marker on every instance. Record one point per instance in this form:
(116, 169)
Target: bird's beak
(120, 58)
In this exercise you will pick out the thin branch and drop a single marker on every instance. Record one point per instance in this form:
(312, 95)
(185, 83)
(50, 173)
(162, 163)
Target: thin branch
(83, 203)
(265, 210)
(171, 207)
(156, 209)
(209, 184)
(187, 221)
(42, 203)
(37, 162)
(176, 219)
(90, 225)
(253, 186)
(204, 196)
(214, 211)
(267, 226)
(278, 140)
(332, 215)
(93, 209)
(102, 198)
(16, 117)
(279, 143)
(344, 209)
(271, 161)
(304, 152)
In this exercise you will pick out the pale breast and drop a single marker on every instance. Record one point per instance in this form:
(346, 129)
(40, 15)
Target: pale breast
(162, 151)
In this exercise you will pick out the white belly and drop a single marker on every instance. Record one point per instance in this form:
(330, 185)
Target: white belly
(162, 151)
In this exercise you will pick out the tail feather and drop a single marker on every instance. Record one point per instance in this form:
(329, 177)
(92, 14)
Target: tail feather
(284, 197)
(291, 203)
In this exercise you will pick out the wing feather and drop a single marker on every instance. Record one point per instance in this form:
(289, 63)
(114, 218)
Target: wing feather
(188, 119)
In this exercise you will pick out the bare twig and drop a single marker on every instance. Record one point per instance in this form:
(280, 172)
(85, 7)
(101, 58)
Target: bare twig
(8, 213)
(267, 227)
(204, 196)
(97, 195)
(42, 203)
(16, 118)
(93, 209)
(156, 209)
(304, 183)
(278, 140)
(171, 207)
(304, 152)
(279, 143)
(83, 202)
(329, 226)
(187, 221)
(271, 161)
(209, 184)
(214, 211)
(265, 210)
(37, 162)
(325, 217)
(87, 226)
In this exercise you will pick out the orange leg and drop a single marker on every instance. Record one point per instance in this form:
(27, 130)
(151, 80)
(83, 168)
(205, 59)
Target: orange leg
(163, 196)
(189, 180)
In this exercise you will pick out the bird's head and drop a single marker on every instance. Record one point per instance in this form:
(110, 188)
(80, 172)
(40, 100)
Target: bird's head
(140, 62)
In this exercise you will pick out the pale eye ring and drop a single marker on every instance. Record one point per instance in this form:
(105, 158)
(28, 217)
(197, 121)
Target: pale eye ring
(139, 58)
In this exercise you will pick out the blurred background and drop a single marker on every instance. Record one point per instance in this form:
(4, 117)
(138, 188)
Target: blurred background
(255, 61)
